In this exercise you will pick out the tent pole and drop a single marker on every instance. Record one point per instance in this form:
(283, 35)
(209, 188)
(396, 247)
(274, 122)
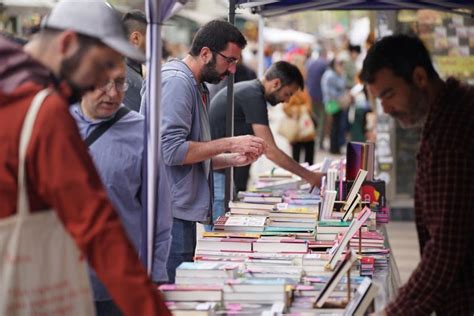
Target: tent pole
(229, 172)
(261, 42)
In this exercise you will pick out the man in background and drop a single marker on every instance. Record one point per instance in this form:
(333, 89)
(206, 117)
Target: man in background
(117, 153)
(80, 46)
(135, 25)
(280, 82)
(399, 72)
(314, 72)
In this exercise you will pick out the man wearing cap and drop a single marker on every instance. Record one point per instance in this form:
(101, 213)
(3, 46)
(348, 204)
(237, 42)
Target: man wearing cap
(187, 151)
(71, 54)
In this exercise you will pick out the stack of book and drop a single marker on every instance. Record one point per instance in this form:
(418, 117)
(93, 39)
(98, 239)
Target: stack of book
(280, 245)
(195, 273)
(328, 230)
(250, 209)
(252, 290)
(260, 196)
(370, 239)
(367, 266)
(191, 293)
(292, 219)
(240, 223)
(193, 308)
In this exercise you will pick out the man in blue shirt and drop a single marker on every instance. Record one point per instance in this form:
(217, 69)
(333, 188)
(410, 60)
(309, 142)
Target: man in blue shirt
(188, 155)
(117, 155)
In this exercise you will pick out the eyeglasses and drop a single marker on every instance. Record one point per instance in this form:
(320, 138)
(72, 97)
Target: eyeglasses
(229, 60)
(119, 85)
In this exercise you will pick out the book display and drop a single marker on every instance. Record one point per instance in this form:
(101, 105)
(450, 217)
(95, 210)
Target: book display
(287, 250)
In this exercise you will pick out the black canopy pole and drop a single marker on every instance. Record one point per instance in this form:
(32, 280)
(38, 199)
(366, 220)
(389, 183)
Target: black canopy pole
(229, 121)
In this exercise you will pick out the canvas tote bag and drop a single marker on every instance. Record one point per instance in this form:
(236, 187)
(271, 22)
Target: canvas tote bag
(306, 130)
(41, 269)
(288, 127)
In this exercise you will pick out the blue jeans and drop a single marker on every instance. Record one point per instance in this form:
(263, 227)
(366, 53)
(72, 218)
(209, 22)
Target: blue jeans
(183, 245)
(219, 196)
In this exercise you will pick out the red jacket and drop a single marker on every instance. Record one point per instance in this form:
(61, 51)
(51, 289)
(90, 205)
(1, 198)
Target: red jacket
(61, 175)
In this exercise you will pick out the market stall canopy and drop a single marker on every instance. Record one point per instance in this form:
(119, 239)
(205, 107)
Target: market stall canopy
(276, 36)
(269, 8)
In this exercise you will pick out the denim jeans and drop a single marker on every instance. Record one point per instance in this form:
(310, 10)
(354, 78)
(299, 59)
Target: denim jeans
(183, 245)
(218, 206)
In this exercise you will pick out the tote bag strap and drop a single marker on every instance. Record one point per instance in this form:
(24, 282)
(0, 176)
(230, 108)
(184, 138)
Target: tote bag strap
(23, 207)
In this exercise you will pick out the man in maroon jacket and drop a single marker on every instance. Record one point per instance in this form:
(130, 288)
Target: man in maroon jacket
(399, 71)
(79, 47)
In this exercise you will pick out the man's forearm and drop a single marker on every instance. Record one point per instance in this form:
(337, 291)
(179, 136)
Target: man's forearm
(200, 151)
(286, 162)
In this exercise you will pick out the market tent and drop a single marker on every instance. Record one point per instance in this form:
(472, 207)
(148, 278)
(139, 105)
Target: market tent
(271, 8)
(276, 35)
(157, 12)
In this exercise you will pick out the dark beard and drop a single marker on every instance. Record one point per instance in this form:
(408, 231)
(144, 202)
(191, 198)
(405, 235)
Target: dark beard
(272, 98)
(67, 68)
(209, 73)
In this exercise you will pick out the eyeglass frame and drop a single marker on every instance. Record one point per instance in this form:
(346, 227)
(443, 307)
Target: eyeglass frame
(106, 87)
(229, 60)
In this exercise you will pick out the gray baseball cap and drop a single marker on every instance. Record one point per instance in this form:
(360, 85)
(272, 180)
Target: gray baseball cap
(95, 18)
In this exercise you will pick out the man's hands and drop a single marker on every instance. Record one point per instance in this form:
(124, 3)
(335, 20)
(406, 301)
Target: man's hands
(314, 178)
(239, 160)
(247, 144)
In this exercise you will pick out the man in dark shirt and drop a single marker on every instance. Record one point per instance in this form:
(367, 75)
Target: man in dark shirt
(281, 80)
(135, 25)
(399, 72)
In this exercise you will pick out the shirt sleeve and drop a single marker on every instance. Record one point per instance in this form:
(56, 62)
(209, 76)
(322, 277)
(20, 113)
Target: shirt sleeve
(65, 176)
(176, 119)
(254, 106)
(447, 207)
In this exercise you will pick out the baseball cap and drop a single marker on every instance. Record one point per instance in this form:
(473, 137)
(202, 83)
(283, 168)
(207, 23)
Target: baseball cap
(94, 18)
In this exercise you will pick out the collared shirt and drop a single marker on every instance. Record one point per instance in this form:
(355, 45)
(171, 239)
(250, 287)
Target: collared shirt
(61, 175)
(118, 155)
(444, 209)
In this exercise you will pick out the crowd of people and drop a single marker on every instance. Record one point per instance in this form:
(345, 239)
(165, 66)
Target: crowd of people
(85, 154)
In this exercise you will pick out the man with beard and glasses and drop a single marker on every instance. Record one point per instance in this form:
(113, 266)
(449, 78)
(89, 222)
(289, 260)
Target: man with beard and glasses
(80, 46)
(279, 83)
(399, 72)
(188, 155)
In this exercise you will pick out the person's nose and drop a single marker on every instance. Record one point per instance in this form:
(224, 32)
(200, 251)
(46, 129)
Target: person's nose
(232, 68)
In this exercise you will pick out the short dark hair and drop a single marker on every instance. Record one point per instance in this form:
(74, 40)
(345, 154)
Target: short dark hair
(286, 72)
(400, 53)
(216, 35)
(354, 48)
(134, 21)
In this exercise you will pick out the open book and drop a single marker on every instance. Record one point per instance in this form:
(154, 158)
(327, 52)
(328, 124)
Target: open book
(339, 247)
(339, 272)
(365, 294)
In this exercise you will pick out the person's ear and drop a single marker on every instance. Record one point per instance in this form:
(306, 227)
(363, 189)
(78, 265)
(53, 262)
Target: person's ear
(420, 77)
(135, 38)
(206, 55)
(276, 84)
(68, 43)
